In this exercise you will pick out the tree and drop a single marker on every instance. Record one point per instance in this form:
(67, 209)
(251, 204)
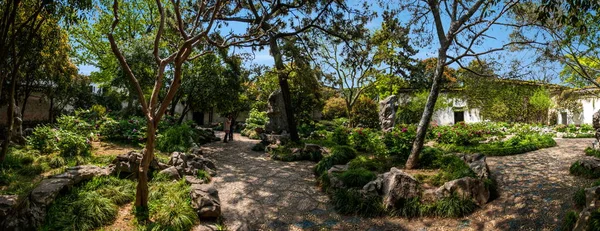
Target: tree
(286, 19)
(459, 28)
(192, 32)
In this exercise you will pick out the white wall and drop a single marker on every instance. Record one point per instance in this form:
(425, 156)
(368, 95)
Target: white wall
(589, 106)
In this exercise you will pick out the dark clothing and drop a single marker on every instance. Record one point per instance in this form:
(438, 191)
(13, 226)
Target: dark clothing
(231, 130)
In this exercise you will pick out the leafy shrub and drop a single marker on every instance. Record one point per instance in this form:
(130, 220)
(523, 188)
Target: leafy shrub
(72, 144)
(429, 157)
(256, 119)
(132, 130)
(176, 139)
(364, 113)
(459, 134)
(203, 175)
(351, 201)
(340, 136)
(360, 140)
(451, 168)
(569, 221)
(75, 125)
(592, 152)
(520, 143)
(339, 155)
(454, 206)
(586, 128)
(335, 107)
(44, 139)
(579, 198)
(356, 178)
(560, 128)
(364, 162)
(398, 142)
(578, 170)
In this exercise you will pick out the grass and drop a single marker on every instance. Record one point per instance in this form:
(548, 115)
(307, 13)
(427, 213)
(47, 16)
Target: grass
(579, 198)
(569, 221)
(356, 178)
(592, 152)
(375, 164)
(452, 168)
(203, 175)
(351, 201)
(170, 206)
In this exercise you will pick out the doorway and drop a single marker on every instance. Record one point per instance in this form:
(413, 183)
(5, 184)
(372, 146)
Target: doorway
(459, 116)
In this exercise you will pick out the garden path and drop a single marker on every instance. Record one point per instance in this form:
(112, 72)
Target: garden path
(261, 194)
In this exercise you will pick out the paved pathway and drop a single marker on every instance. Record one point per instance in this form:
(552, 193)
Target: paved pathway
(535, 193)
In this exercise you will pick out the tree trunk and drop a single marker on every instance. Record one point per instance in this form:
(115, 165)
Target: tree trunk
(413, 159)
(51, 111)
(10, 112)
(24, 104)
(174, 106)
(182, 116)
(285, 89)
(141, 195)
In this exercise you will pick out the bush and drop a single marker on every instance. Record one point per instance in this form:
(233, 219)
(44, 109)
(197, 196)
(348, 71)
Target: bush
(398, 142)
(569, 221)
(592, 152)
(451, 168)
(256, 119)
(460, 134)
(579, 198)
(360, 139)
(351, 201)
(44, 139)
(429, 157)
(71, 144)
(356, 178)
(365, 113)
(340, 136)
(578, 170)
(560, 128)
(75, 125)
(335, 107)
(339, 155)
(132, 130)
(176, 139)
(364, 162)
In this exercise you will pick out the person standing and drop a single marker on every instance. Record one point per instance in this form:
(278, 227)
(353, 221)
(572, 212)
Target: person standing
(232, 128)
(226, 128)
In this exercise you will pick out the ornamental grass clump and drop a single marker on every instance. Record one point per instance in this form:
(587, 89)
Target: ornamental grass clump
(339, 155)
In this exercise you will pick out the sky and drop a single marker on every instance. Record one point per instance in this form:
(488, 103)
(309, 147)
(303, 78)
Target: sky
(497, 36)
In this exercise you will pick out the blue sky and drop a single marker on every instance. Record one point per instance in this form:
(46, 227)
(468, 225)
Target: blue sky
(497, 37)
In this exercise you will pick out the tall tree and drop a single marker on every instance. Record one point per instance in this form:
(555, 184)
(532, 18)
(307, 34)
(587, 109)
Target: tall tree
(460, 28)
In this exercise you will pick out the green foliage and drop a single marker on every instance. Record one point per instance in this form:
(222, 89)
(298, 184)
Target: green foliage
(365, 113)
(451, 168)
(256, 119)
(569, 221)
(91, 205)
(459, 134)
(410, 112)
(170, 206)
(204, 176)
(520, 143)
(454, 206)
(429, 157)
(75, 125)
(351, 201)
(540, 100)
(371, 164)
(398, 142)
(579, 198)
(132, 130)
(578, 170)
(339, 155)
(44, 139)
(72, 144)
(356, 177)
(592, 152)
(359, 139)
(335, 107)
(179, 138)
(340, 136)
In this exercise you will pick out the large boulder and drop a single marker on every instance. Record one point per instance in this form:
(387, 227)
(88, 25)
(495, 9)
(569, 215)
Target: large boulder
(281, 139)
(466, 188)
(387, 112)
(398, 185)
(128, 164)
(189, 164)
(477, 163)
(205, 201)
(375, 186)
(7, 204)
(592, 203)
(276, 113)
(171, 173)
(591, 164)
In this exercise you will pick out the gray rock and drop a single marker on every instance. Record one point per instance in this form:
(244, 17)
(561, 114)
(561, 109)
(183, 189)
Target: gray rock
(467, 188)
(282, 139)
(477, 163)
(312, 148)
(596, 120)
(375, 186)
(398, 185)
(83, 172)
(387, 112)
(171, 172)
(7, 204)
(205, 201)
(592, 203)
(590, 163)
(48, 189)
(193, 180)
(332, 173)
(276, 113)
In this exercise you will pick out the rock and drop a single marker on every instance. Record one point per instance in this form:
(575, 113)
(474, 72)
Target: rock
(189, 164)
(592, 203)
(196, 151)
(193, 180)
(205, 201)
(596, 120)
(477, 163)
(83, 172)
(259, 147)
(387, 112)
(7, 204)
(312, 148)
(398, 185)
(334, 182)
(375, 186)
(48, 189)
(467, 188)
(276, 113)
(271, 147)
(591, 164)
(275, 139)
(171, 172)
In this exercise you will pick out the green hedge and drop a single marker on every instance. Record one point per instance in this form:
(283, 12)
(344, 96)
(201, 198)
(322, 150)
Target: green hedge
(517, 145)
